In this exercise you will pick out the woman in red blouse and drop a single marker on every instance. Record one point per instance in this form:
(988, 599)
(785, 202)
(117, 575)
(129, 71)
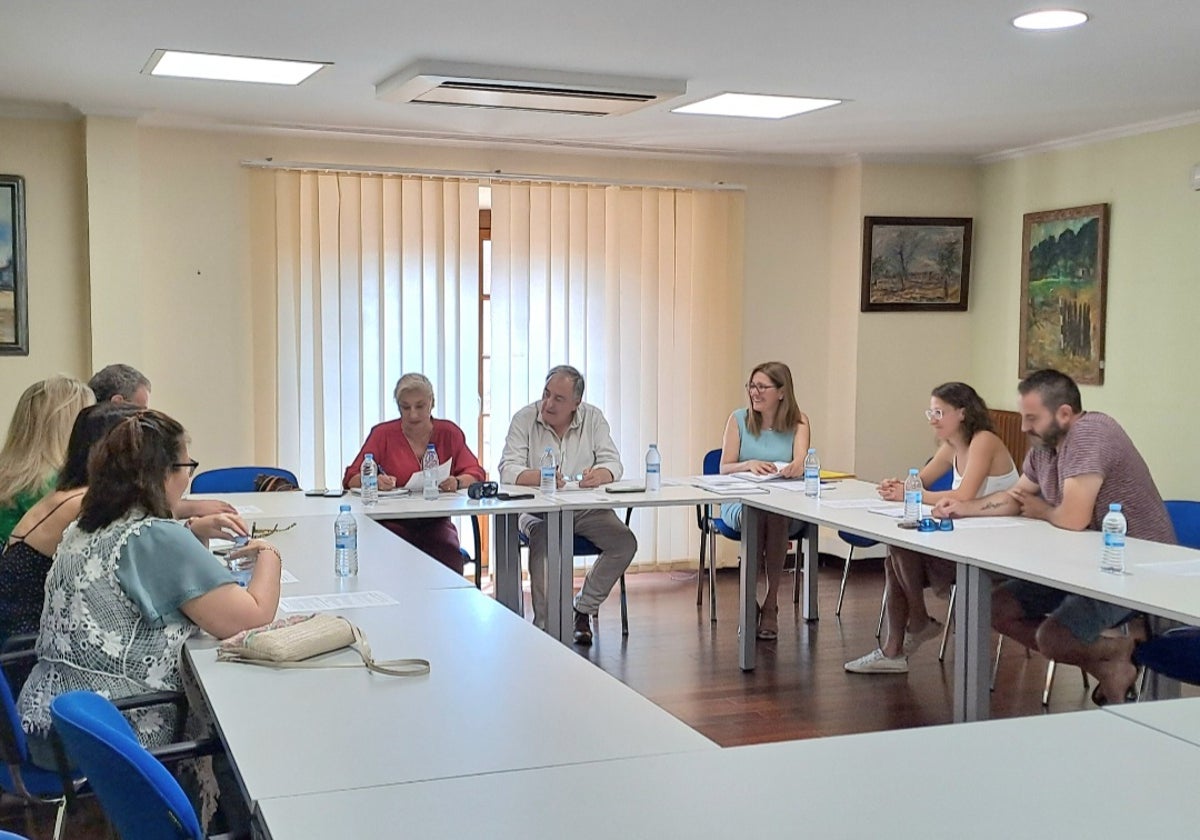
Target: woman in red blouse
(399, 445)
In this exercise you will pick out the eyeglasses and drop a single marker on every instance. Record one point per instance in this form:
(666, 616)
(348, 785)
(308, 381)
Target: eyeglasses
(483, 490)
(757, 388)
(268, 530)
(933, 414)
(190, 465)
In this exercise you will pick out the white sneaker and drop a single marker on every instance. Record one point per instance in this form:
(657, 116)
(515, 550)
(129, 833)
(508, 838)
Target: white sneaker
(877, 662)
(912, 641)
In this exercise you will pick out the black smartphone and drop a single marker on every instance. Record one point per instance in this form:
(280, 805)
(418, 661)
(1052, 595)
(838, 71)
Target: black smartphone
(334, 493)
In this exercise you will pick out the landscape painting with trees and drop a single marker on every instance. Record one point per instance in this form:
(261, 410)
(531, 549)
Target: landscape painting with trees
(1063, 290)
(915, 263)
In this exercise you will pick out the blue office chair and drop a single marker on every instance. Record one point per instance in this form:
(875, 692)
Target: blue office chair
(583, 547)
(19, 776)
(1176, 653)
(710, 526)
(477, 559)
(8, 835)
(139, 795)
(236, 479)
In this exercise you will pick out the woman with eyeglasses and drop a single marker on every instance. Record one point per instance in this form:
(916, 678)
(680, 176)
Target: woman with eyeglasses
(129, 585)
(981, 465)
(770, 430)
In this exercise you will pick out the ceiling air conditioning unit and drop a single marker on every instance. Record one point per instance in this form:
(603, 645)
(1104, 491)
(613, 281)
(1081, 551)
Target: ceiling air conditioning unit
(517, 89)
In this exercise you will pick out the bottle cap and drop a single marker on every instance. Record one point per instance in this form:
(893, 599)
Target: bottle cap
(912, 471)
(812, 451)
(368, 457)
(1115, 506)
(345, 508)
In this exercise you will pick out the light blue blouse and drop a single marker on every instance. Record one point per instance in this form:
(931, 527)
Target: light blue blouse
(768, 446)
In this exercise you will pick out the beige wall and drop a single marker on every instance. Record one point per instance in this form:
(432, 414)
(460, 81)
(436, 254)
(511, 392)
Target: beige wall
(49, 155)
(893, 381)
(177, 290)
(1153, 285)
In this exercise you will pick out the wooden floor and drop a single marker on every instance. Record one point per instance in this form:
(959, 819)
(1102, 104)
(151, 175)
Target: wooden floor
(689, 666)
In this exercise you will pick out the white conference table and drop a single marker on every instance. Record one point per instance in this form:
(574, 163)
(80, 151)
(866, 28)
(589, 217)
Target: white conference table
(507, 563)
(1083, 774)
(498, 697)
(1177, 718)
(986, 550)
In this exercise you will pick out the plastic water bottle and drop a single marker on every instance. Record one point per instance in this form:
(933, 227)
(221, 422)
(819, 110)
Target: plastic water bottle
(549, 473)
(429, 465)
(913, 490)
(653, 469)
(812, 475)
(345, 544)
(1112, 559)
(369, 476)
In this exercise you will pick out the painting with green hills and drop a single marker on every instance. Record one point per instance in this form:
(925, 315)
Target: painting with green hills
(1063, 282)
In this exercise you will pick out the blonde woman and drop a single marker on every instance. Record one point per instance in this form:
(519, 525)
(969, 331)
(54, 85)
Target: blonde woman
(36, 446)
(771, 429)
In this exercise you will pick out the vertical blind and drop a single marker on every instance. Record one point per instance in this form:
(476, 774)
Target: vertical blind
(640, 288)
(376, 276)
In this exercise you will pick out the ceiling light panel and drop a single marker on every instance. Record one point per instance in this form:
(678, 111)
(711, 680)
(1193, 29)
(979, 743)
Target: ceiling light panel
(756, 105)
(1050, 19)
(230, 68)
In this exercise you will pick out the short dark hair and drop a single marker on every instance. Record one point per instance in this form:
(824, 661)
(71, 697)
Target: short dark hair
(975, 411)
(92, 424)
(128, 468)
(1055, 389)
(117, 380)
(571, 373)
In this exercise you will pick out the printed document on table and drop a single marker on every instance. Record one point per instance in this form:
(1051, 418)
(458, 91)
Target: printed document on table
(852, 504)
(417, 481)
(387, 494)
(287, 577)
(726, 485)
(336, 601)
(988, 522)
(897, 511)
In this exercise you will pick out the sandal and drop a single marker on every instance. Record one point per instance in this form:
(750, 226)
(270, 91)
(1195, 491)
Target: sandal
(768, 624)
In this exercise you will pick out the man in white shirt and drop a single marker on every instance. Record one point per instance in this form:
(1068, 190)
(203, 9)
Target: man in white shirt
(583, 448)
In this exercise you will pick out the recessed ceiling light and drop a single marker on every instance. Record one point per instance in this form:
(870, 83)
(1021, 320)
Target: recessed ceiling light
(755, 105)
(230, 68)
(1050, 19)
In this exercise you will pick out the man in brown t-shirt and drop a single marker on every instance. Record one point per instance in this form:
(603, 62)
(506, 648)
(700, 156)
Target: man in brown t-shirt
(1081, 462)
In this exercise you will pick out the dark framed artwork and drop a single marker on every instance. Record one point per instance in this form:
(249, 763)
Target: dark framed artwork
(1064, 288)
(14, 289)
(915, 263)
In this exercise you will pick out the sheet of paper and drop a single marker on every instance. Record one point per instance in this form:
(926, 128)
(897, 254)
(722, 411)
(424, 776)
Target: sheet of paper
(988, 522)
(248, 510)
(417, 482)
(288, 577)
(586, 496)
(727, 486)
(387, 494)
(851, 504)
(897, 511)
(336, 601)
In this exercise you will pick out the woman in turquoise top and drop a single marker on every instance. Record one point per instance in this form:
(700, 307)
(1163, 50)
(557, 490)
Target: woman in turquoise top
(771, 430)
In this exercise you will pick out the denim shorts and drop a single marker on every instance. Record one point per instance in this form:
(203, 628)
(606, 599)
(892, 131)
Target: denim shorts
(1084, 618)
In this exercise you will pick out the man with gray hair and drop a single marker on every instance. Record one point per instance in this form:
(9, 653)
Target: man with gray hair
(583, 448)
(121, 383)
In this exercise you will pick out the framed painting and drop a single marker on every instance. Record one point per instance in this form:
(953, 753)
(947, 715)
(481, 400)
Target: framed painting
(1064, 285)
(915, 263)
(14, 291)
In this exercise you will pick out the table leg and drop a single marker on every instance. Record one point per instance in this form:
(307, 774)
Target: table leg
(972, 644)
(811, 554)
(566, 576)
(508, 563)
(553, 575)
(752, 523)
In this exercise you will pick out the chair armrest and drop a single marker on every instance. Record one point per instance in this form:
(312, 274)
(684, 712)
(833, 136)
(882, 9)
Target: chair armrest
(154, 698)
(13, 656)
(181, 750)
(19, 642)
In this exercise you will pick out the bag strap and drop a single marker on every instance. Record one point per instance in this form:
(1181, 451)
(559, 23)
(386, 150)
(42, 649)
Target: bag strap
(392, 667)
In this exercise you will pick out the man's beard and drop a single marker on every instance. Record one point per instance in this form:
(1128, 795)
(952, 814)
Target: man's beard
(1050, 438)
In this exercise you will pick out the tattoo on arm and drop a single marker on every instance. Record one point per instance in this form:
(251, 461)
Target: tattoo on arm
(993, 505)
